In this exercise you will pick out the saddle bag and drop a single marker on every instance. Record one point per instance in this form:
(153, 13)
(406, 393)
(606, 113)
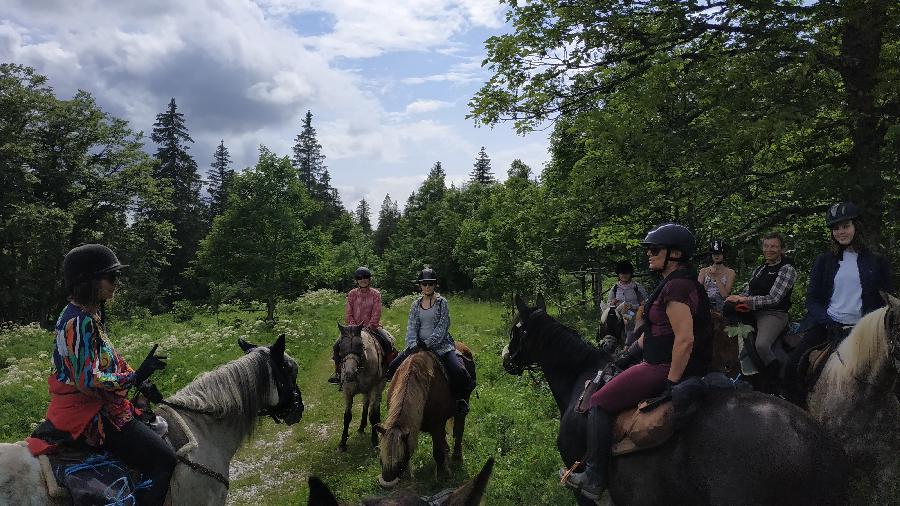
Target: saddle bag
(99, 480)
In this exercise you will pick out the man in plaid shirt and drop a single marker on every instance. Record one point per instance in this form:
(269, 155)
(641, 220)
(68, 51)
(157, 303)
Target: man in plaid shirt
(768, 296)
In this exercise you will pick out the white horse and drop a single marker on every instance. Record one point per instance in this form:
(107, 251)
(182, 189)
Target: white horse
(854, 400)
(220, 409)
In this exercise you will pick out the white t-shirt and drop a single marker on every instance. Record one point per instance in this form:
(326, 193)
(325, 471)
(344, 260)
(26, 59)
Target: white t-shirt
(846, 300)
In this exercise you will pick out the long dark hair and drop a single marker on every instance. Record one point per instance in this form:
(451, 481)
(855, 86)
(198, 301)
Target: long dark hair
(859, 242)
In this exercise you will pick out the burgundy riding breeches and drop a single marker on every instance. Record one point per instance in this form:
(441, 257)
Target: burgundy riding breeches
(631, 386)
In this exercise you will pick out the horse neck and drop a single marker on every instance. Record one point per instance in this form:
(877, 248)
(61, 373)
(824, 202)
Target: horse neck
(566, 359)
(217, 440)
(408, 394)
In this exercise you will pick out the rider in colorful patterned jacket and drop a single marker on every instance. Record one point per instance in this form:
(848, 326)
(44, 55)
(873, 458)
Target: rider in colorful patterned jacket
(90, 380)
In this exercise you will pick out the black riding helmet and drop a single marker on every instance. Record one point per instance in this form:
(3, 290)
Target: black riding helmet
(841, 211)
(362, 272)
(87, 262)
(672, 235)
(624, 267)
(427, 274)
(717, 246)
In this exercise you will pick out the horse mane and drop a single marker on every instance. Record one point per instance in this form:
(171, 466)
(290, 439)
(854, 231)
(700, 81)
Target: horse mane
(860, 353)
(406, 405)
(565, 345)
(234, 390)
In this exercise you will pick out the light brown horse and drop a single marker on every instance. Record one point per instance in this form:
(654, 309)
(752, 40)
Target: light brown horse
(361, 374)
(419, 398)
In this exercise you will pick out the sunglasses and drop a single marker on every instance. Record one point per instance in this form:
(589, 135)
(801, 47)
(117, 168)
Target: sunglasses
(362, 277)
(654, 250)
(426, 283)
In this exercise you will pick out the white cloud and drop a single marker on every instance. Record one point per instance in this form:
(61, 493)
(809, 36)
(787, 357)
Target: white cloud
(422, 106)
(467, 71)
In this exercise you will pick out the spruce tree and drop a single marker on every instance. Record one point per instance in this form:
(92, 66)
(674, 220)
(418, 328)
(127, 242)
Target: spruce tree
(308, 158)
(388, 217)
(362, 217)
(220, 177)
(482, 174)
(177, 169)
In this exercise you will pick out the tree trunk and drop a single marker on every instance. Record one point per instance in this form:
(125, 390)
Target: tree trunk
(860, 57)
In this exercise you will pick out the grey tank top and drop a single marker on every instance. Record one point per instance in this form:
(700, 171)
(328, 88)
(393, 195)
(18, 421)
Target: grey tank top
(427, 318)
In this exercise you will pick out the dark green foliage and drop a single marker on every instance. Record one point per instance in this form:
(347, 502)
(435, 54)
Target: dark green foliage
(362, 217)
(388, 217)
(219, 178)
(178, 170)
(481, 173)
(308, 158)
(70, 174)
(261, 241)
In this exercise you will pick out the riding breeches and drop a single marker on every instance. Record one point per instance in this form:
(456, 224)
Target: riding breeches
(631, 386)
(769, 325)
(143, 449)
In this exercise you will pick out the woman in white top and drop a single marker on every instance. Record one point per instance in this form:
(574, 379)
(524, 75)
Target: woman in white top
(717, 278)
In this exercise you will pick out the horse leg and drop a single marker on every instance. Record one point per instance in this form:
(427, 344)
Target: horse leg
(365, 415)
(439, 450)
(459, 425)
(348, 416)
(375, 419)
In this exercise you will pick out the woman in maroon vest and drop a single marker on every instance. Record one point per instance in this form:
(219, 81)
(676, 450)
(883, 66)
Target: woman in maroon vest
(674, 345)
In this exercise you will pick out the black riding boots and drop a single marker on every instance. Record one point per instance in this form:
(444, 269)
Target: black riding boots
(592, 482)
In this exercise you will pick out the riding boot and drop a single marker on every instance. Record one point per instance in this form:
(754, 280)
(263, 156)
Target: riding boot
(592, 482)
(336, 377)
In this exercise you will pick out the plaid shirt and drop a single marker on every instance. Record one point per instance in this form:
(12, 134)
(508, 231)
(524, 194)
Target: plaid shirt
(363, 308)
(787, 275)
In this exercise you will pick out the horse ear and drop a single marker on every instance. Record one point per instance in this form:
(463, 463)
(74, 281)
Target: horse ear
(521, 307)
(890, 300)
(320, 494)
(342, 329)
(472, 491)
(380, 429)
(277, 349)
(247, 347)
(540, 302)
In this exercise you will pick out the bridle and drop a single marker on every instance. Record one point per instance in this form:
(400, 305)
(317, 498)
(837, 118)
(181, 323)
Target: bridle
(289, 409)
(514, 363)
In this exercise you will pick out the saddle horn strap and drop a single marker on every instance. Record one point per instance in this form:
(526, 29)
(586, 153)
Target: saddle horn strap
(565, 476)
(204, 471)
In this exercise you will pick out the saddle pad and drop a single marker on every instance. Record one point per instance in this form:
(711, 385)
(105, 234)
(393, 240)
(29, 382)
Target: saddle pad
(813, 361)
(639, 429)
(53, 488)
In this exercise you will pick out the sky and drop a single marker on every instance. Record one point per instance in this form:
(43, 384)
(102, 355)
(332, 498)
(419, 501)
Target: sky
(387, 81)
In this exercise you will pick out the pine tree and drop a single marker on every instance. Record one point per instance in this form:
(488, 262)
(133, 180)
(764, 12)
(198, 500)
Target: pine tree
(177, 169)
(220, 177)
(482, 174)
(362, 216)
(388, 217)
(308, 158)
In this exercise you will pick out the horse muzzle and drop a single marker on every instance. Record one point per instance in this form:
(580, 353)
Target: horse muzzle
(509, 364)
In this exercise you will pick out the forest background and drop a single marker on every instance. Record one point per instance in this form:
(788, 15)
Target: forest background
(733, 118)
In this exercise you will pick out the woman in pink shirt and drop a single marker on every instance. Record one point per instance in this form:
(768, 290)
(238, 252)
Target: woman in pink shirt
(364, 308)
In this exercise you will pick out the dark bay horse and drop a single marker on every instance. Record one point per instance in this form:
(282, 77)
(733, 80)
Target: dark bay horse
(419, 398)
(741, 448)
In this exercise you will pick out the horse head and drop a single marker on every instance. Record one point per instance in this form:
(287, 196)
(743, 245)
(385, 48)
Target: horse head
(285, 403)
(892, 328)
(520, 353)
(396, 447)
(351, 357)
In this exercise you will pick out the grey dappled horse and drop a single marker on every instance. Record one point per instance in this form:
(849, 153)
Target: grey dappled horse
(854, 400)
(740, 448)
(362, 374)
(222, 409)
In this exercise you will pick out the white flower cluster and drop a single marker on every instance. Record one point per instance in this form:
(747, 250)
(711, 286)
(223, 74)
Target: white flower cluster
(25, 372)
(404, 302)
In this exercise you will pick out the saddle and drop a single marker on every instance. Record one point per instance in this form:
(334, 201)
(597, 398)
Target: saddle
(68, 454)
(813, 360)
(468, 363)
(654, 421)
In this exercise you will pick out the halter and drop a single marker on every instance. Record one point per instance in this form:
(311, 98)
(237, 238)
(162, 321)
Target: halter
(290, 404)
(513, 364)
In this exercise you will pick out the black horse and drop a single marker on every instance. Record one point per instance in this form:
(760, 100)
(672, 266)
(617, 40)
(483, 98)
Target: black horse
(742, 448)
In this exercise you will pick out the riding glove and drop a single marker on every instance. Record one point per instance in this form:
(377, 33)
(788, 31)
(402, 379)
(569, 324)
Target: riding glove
(150, 391)
(632, 355)
(151, 364)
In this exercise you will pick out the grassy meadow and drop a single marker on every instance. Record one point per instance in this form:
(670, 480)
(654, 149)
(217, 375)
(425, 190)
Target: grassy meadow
(513, 419)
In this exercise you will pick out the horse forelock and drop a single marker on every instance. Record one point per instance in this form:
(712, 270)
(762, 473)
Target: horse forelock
(236, 390)
(861, 354)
